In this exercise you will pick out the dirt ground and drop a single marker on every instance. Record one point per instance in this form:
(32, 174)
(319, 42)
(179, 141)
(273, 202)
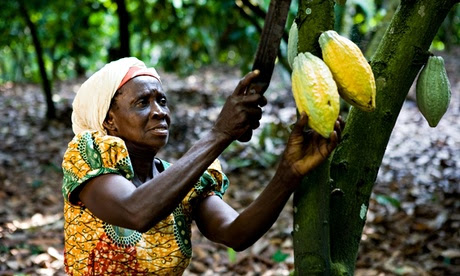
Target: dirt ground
(412, 224)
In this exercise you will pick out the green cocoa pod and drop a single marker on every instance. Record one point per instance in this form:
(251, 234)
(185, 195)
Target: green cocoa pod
(292, 43)
(433, 90)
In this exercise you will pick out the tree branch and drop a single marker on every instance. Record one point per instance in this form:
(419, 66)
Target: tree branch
(250, 18)
(255, 9)
(259, 13)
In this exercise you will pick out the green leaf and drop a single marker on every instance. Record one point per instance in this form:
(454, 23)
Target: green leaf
(388, 200)
(231, 255)
(279, 256)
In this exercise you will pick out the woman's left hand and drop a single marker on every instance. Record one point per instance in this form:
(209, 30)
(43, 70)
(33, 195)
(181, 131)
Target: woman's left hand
(307, 149)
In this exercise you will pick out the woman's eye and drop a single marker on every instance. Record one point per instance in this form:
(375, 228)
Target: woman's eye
(163, 101)
(142, 102)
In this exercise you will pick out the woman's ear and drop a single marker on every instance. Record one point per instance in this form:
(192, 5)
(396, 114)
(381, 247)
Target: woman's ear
(109, 123)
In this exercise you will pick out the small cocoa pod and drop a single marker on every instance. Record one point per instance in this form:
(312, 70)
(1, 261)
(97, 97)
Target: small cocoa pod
(292, 43)
(433, 90)
(351, 71)
(315, 92)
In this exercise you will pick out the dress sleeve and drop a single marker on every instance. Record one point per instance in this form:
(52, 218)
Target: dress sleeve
(212, 182)
(91, 154)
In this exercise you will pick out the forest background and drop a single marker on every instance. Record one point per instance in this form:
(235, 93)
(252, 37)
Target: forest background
(201, 49)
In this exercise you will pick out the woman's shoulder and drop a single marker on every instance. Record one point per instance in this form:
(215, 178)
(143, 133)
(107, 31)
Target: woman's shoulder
(90, 154)
(96, 137)
(93, 149)
(97, 141)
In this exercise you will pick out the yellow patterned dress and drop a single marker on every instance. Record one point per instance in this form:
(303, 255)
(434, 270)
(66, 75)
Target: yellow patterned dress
(93, 247)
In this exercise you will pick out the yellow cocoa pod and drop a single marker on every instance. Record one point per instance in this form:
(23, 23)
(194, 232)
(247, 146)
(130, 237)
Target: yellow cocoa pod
(315, 92)
(351, 71)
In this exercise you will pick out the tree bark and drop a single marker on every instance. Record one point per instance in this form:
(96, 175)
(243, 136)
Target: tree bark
(355, 164)
(46, 84)
(311, 224)
(313, 18)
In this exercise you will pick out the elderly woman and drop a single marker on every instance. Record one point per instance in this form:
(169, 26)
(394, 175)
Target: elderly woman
(128, 212)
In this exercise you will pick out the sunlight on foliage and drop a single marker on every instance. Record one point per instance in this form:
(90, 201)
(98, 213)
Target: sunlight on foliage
(180, 35)
(438, 45)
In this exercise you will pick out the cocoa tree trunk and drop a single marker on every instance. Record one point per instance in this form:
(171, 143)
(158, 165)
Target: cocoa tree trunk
(311, 200)
(353, 170)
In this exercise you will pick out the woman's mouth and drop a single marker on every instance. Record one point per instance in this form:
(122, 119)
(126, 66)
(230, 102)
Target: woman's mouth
(160, 130)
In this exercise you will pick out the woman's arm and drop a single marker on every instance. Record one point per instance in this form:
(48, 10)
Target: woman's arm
(116, 200)
(221, 223)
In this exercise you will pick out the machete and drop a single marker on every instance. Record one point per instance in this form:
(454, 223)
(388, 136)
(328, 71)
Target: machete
(269, 43)
(267, 50)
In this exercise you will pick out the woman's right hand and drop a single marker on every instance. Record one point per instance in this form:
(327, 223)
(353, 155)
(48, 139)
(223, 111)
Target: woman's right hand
(242, 110)
(305, 150)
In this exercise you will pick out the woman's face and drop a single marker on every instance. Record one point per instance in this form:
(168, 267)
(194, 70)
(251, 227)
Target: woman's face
(139, 114)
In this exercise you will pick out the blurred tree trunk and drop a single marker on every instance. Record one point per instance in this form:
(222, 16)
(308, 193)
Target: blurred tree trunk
(123, 28)
(46, 84)
(331, 206)
(79, 69)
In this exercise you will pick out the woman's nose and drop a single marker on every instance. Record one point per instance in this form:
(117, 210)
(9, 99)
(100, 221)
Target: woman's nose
(158, 111)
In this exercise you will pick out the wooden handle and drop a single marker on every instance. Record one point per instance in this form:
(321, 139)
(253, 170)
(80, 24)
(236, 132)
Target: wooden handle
(267, 50)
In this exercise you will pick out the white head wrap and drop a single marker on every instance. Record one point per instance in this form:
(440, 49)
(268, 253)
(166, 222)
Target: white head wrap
(92, 101)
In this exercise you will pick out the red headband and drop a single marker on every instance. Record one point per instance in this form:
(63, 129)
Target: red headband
(137, 71)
